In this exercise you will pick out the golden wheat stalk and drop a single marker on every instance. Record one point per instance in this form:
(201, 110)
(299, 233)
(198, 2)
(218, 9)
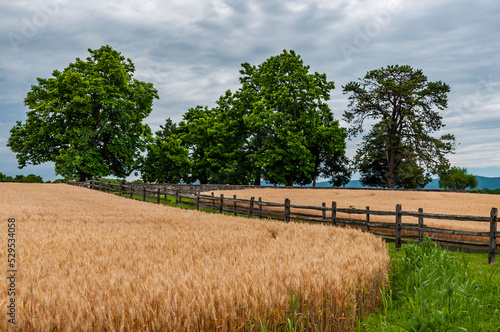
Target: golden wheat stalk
(93, 261)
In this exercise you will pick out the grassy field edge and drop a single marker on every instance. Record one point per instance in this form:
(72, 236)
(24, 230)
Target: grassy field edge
(431, 289)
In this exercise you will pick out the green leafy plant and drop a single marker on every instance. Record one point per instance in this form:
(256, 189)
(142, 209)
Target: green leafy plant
(456, 178)
(432, 290)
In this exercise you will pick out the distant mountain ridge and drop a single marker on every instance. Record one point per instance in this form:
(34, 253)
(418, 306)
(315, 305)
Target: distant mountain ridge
(483, 182)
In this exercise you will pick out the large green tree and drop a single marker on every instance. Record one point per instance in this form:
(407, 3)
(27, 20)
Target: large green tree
(196, 133)
(217, 139)
(293, 137)
(167, 159)
(400, 149)
(276, 127)
(87, 119)
(371, 162)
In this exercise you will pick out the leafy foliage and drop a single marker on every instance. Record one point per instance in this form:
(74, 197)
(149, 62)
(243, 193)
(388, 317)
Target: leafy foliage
(167, 159)
(217, 140)
(400, 150)
(372, 164)
(298, 139)
(87, 119)
(456, 178)
(276, 127)
(431, 290)
(30, 178)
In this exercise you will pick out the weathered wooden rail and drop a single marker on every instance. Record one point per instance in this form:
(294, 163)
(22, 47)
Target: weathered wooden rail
(396, 231)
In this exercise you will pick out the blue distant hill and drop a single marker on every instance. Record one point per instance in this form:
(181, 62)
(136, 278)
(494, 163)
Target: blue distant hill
(490, 183)
(483, 182)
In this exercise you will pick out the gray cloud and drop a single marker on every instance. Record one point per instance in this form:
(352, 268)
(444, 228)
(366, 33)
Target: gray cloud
(192, 51)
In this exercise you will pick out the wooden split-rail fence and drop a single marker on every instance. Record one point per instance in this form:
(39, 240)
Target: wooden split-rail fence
(396, 231)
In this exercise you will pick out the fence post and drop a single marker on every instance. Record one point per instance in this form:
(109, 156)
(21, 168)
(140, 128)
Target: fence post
(323, 213)
(287, 210)
(420, 226)
(131, 190)
(221, 203)
(198, 202)
(121, 188)
(213, 201)
(177, 196)
(159, 195)
(334, 213)
(109, 186)
(100, 185)
(250, 207)
(398, 227)
(493, 236)
(368, 219)
(235, 205)
(260, 207)
(143, 193)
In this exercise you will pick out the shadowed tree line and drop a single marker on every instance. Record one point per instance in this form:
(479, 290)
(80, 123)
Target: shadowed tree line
(30, 178)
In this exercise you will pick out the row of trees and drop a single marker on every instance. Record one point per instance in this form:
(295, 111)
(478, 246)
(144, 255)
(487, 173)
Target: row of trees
(30, 178)
(277, 127)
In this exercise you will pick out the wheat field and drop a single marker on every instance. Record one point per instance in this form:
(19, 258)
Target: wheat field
(91, 261)
(452, 203)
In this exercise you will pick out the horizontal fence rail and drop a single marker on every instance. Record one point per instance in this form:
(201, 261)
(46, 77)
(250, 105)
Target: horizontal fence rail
(396, 231)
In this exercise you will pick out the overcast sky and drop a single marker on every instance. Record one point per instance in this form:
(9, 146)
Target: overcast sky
(192, 52)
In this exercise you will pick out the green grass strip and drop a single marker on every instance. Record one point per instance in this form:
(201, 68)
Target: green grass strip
(431, 289)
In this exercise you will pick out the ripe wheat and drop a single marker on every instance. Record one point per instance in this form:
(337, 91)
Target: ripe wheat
(451, 203)
(94, 261)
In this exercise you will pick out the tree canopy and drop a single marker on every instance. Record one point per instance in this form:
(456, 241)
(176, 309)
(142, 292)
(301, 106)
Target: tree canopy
(294, 136)
(399, 150)
(456, 178)
(276, 127)
(86, 119)
(217, 139)
(167, 159)
(30, 178)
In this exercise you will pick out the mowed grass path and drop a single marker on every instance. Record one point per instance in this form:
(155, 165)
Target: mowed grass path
(95, 261)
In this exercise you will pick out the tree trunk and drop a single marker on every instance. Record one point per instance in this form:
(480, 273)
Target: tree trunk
(316, 166)
(257, 178)
(289, 180)
(82, 176)
(391, 163)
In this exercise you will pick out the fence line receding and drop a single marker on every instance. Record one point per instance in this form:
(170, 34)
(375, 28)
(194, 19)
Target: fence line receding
(396, 231)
